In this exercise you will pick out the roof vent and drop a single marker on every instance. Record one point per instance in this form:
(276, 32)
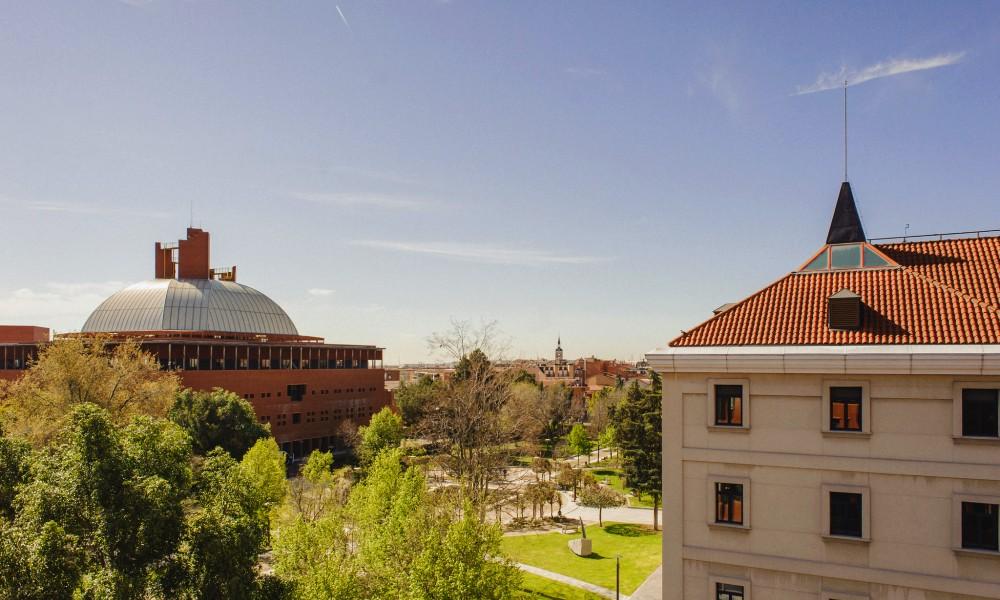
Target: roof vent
(723, 308)
(844, 310)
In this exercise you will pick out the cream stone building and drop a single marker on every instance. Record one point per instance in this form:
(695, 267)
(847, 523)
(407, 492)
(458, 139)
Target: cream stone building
(835, 435)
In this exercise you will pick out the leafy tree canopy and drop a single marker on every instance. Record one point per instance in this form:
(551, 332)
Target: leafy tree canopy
(413, 399)
(384, 431)
(579, 440)
(638, 425)
(107, 511)
(217, 419)
(395, 540)
(600, 497)
(118, 377)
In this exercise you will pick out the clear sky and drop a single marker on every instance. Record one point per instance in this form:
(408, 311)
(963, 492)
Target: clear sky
(607, 171)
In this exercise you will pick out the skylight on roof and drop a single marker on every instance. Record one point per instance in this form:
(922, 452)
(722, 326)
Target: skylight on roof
(835, 257)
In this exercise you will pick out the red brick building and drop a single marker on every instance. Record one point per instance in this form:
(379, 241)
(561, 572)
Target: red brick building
(215, 332)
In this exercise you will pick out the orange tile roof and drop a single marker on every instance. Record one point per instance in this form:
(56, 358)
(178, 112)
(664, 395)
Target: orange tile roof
(944, 292)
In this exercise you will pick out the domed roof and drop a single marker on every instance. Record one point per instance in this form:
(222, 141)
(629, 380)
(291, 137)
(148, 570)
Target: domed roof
(190, 305)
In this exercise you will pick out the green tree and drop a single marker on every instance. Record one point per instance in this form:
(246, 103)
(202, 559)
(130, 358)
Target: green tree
(465, 562)
(38, 565)
(600, 405)
(384, 431)
(217, 419)
(606, 439)
(120, 378)
(474, 365)
(523, 376)
(413, 399)
(579, 441)
(316, 558)
(318, 490)
(395, 540)
(226, 534)
(600, 497)
(569, 478)
(118, 512)
(638, 423)
(15, 456)
(264, 465)
(118, 493)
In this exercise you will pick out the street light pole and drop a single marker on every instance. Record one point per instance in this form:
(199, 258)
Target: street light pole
(618, 571)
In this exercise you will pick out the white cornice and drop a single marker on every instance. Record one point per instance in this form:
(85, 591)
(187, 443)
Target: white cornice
(843, 360)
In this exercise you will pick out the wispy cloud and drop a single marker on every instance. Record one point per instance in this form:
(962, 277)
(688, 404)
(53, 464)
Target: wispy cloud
(386, 201)
(320, 292)
(377, 175)
(885, 68)
(585, 72)
(75, 208)
(61, 305)
(481, 253)
(720, 82)
(344, 19)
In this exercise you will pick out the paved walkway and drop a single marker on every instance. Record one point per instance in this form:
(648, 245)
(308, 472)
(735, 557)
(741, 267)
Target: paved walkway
(652, 588)
(583, 585)
(621, 514)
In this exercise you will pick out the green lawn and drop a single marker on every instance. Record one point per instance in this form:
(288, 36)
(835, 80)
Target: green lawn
(540, 588)
(615, 480)
(638, 545)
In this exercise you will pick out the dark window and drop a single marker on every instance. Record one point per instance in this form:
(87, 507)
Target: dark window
(728, 591)
(845, 408)
(296, 418)
(979, 413)
(729, 503)
(729, 405)
(297, 391)
(980, 526)
(845, 514)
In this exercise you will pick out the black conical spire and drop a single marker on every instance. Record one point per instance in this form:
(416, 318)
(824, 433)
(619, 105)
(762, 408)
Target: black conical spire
(846, 224)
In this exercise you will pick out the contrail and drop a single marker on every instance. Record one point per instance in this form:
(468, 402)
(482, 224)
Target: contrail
(886, 68)
(343, 18)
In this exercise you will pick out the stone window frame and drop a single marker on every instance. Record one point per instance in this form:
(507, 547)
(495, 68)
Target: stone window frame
(866, 511)
(745, 407)
(710, 516)
(715, 579)
(866, 407)
(956, 410)
(956, 523)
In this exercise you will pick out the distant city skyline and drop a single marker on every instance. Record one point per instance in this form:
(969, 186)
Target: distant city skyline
(609, 173)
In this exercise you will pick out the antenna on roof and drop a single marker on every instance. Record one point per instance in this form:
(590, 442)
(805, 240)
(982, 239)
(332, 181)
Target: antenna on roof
(845, 130)
(191, 212)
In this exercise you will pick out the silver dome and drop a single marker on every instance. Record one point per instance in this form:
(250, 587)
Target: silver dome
(190, 305)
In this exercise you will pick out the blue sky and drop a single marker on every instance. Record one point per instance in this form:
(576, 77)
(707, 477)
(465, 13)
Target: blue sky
(607, 171)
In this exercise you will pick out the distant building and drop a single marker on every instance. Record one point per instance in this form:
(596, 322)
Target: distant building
(215, 332)
(557, 370)
(835, 435)
(413, 373)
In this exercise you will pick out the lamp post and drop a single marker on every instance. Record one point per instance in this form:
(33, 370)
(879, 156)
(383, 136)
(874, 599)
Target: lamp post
(618, 572)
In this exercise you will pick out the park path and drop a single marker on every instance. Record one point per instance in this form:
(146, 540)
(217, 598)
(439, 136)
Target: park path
(583, 585)
(621, 514)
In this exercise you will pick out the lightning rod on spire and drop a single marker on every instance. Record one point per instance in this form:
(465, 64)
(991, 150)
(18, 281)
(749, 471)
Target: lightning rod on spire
(845, 130)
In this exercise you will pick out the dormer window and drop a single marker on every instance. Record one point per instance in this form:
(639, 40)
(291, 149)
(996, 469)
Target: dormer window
(848, 256)
(844, 310)
(846, 245)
